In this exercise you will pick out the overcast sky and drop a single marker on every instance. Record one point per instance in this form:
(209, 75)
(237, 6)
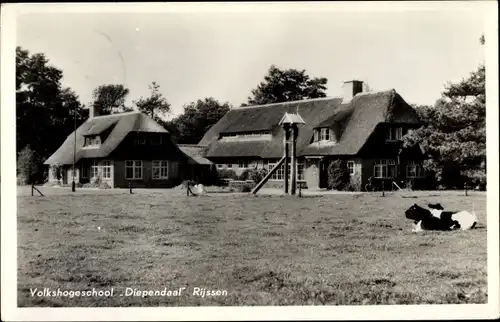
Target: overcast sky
(226, 54)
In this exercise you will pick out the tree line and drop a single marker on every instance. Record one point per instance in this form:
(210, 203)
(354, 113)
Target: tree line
(453, 138)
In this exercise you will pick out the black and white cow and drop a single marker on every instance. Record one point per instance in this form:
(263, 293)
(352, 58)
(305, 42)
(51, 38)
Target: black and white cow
(424, 220)
(464, 220)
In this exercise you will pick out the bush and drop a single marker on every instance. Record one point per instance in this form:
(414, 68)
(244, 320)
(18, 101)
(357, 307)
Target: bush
(355, 182)
(57, 172)
(244, 175)
(29, 166)
(211, 177)
(185, 183)
(84, 180)
(227, 174)
(338, 175)
(96, 184)
(256, 175)
(104, 185)
(246, 188)
(21, 180)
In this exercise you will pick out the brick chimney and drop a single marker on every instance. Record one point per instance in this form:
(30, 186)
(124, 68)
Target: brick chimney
(94, 111)
(350, 89)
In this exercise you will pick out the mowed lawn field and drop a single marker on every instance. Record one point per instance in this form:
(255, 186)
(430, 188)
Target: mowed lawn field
(263, 250)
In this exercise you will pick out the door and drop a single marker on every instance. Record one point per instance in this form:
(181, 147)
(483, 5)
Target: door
(323, 173)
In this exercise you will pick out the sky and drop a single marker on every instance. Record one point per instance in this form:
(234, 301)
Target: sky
(220, 54)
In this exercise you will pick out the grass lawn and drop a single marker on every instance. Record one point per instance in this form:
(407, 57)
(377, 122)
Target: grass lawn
(263, 250)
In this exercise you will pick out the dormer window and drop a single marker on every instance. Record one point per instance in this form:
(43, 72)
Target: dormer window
(92, 141)
(394, 134)
(140, 139)
(247, 136)
(323, 134)
(156, 140)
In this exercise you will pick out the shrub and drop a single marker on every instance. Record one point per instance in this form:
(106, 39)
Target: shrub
(95, 181)
(96, 184)
(355, 182)
(104, 185)
(211, 177)
(84, 180)
(246, 188)
(244, 175)
(227, 174)
(338, 175)
(185, 183)
(410, 184)
(29, 166)
(57, 171)
(256, 175)
(21, 180)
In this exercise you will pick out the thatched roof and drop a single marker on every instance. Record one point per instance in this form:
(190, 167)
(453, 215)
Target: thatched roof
(119, 126)
(195, 153)
(354, 122)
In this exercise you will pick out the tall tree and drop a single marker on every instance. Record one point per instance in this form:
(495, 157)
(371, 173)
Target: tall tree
(45, 110)
(287, 85)
(156, 105)
(197, 118)
(110, 99)
(454, 137)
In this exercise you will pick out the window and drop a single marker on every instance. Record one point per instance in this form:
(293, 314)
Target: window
(156, 140)
(280, 173)
(247, 136)
(106, 169)
(350, 166)
(229, 165)
(94, 170)
(243, 164)
(92, 141)
(414, 170)
(325, 134)
(85, 172)
(384, 169)
(140, 139)
(394, 134)
(160, 169)
(133, 169)
(220, 166)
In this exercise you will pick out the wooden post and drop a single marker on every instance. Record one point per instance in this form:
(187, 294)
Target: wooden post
(465, 187)
(285, 148)
(293, 163)
(268, 175)
(130, 187)
(32, 190)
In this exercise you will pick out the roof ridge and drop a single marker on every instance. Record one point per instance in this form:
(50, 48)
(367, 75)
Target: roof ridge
(192, 145)
(116, 114)
(287, 102)
(391, 90)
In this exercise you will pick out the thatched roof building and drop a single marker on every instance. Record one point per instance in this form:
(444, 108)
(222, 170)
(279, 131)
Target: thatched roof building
(352, 122)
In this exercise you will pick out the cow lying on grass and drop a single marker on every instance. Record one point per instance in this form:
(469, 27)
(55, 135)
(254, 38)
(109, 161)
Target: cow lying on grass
(437, 219)
(424, 220)
(464, 220)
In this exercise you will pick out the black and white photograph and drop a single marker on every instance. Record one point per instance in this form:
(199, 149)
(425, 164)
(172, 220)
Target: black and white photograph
(232, 161)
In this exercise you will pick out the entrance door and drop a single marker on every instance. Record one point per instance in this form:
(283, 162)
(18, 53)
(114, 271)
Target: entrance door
(323, 173)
